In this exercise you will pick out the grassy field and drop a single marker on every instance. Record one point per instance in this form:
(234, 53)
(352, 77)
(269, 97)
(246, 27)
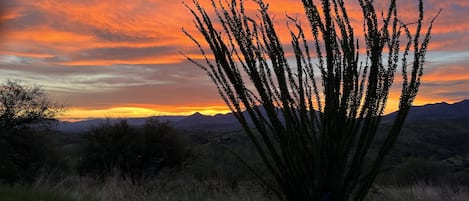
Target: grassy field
(183, 188)
(423, 167)
(117, 189)
(21, 193)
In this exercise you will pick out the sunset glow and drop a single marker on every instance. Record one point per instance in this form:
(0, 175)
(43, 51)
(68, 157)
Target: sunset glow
(77, 114)
(121, 58)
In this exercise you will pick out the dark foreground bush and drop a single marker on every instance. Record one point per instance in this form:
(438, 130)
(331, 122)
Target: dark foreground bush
(133, 152)
(24, 154)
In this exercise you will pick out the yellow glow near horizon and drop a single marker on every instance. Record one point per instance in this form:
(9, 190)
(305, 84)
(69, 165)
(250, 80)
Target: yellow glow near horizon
(76, 114)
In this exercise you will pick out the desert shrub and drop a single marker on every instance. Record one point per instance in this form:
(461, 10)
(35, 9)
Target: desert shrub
(24, 154)
(133, 152)
(163, 146)
(312, 156)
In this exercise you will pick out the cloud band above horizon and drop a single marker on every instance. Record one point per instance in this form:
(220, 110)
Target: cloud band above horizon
(109, 58)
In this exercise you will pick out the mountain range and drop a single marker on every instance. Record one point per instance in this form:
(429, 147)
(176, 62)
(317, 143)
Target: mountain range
(437, 111)
(222, 122)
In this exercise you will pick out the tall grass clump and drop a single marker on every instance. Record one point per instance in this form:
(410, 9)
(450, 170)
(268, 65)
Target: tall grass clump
(167, 186)
(313, 120)
(421, 192)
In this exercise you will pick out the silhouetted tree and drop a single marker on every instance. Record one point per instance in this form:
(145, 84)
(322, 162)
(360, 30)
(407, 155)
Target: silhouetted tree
(314, 155)
(24, 149)
(22, 106)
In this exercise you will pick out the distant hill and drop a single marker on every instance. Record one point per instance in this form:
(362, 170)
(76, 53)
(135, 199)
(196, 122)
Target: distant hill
(437, 131)
(437, 111)
(227, 122)
(205, 122)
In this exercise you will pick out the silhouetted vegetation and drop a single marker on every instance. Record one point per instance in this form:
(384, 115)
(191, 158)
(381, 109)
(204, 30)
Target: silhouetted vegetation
(26, 148)
(132, 152)
(22, 106)
(26, 154)
(315, 140)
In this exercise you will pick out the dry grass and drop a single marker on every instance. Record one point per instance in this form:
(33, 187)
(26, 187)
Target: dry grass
(179, 188)
(421, 192)
(170, 187)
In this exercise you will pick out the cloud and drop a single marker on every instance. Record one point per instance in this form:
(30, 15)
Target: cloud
(117, 85)
(117, 55)
(447, 74)
(445, 80)
(71, 29)
(101, 55)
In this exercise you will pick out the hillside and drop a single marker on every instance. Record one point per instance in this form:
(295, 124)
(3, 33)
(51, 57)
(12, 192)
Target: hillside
(437, 111)
(227, 122)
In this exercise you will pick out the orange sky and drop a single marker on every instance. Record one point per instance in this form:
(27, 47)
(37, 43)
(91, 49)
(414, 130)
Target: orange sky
(120, 58)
